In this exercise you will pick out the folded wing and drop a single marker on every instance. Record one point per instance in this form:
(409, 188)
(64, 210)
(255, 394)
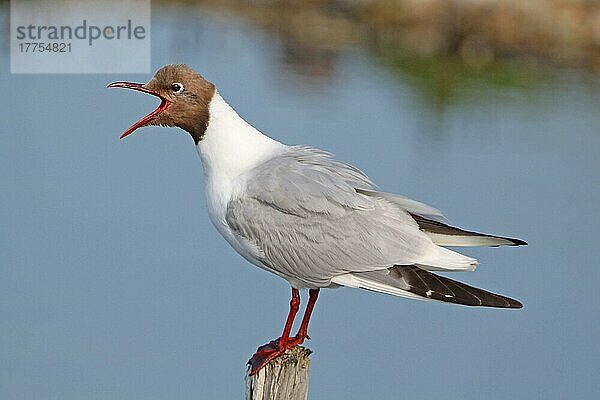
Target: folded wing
(414, 282)
(310, 218)
(303, 214)
(434, 224)
(445, 235)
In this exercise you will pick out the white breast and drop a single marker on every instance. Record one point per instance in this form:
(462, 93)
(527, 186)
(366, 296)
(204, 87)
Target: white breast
(218, 195)
(229, 150)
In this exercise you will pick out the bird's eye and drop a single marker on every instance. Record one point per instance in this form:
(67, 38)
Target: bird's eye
(176, 87)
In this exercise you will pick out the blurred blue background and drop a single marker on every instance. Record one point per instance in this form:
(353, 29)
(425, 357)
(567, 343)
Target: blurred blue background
(114, 284)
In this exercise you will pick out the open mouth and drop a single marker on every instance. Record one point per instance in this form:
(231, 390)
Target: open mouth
(164, 104)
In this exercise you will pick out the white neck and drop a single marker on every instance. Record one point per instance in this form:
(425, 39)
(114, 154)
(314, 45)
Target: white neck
(230, 145)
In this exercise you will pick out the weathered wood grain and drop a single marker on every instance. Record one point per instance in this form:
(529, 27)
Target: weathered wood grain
(284, 378)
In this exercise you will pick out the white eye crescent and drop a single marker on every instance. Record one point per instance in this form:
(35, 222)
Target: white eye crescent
(176, 87)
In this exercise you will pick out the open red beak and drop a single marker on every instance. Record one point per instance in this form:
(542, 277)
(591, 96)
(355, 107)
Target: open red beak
(164, 104)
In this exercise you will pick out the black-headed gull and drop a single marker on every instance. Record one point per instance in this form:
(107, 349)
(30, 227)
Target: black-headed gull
(317, 222)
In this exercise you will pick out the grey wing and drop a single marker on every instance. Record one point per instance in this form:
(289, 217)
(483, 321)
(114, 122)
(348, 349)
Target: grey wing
(435, 225)
(302, 211)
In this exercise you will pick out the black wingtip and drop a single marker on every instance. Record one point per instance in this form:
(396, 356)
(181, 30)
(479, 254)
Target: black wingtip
(518, 242)
(440, 228)
(429, 285)
(512, 303)
(518, 304)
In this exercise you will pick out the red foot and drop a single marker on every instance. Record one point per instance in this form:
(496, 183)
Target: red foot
(275, 348)
(270, 351)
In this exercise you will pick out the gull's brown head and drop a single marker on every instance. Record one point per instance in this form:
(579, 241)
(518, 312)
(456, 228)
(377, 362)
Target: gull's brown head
(184, 99)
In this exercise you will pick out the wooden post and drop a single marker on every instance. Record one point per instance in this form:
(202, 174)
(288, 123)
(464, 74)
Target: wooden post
(284, 378)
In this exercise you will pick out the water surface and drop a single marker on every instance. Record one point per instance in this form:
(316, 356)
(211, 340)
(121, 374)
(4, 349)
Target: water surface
(114, 284)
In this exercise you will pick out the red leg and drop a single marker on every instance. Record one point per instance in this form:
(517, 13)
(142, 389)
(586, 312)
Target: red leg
(294, 305)
(275, 348)
(303, 331)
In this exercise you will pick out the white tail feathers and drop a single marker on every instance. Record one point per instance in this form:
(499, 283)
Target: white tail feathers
(464, 240)
(358, 282)
(443, 259)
